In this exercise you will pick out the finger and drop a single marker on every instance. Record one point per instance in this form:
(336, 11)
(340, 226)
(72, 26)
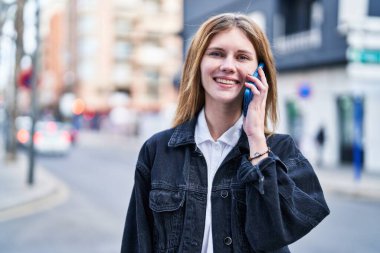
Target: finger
(259, 84)
(263, 77)
(253, 79)
(252, 87)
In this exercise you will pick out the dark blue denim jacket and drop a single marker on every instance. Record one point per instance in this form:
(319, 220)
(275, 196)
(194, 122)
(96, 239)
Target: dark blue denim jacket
(260, 208)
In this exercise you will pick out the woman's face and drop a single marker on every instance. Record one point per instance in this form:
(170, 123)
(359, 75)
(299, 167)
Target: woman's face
(229, 57)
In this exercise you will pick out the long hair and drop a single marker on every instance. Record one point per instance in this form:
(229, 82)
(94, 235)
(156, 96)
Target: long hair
(191, 92)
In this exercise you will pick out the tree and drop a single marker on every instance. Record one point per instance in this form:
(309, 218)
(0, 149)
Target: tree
(11, 149)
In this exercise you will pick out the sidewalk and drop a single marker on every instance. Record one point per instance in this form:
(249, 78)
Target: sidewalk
(341, 181)
(18, 199)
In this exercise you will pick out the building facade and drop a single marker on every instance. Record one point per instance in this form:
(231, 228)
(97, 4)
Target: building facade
(327, 56)
(128, 48)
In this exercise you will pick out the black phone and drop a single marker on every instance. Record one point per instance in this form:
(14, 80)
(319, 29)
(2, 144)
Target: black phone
(248, 94)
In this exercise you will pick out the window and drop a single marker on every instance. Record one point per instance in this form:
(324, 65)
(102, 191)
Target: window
(86, 24)
(151, 54)
(122, 74)
(152, 78)
(374, 8)
(122, 50)
(86, 70)
(298, 26)
(87, 47)
(86, 5)
(152, 6)
(298, 15)
(122, 27)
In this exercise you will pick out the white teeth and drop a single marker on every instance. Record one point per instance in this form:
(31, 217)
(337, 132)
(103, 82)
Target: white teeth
(219, 80)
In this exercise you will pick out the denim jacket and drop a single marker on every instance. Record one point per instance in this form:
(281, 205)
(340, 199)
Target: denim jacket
(255, 208)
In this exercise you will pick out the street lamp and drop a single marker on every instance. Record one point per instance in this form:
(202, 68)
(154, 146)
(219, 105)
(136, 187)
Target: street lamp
(35, 64)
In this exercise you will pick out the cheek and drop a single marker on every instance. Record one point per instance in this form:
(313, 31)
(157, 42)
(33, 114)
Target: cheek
(248, 68)
(206, 72)
(244, 70)
(205, 67)
(203, 76)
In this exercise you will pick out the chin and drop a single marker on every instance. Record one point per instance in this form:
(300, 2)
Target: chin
(230, 101)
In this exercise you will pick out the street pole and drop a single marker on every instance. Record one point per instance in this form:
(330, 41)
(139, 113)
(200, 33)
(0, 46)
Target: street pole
(35, 72)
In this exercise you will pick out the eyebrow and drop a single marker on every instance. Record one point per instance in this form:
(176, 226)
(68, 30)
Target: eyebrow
(221, 49)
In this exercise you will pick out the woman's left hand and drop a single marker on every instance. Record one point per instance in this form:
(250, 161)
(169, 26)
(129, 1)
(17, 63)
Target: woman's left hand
(254, 122)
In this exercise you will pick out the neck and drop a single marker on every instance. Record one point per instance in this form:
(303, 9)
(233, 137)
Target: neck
(220, 119)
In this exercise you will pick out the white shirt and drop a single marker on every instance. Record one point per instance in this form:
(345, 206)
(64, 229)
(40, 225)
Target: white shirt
(214, 153)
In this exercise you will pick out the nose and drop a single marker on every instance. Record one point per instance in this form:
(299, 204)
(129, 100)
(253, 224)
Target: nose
(228, 65)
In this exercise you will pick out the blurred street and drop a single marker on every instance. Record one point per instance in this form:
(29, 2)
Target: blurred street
(99, 176)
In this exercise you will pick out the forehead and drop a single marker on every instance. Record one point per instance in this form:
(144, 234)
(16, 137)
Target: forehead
(233, 38)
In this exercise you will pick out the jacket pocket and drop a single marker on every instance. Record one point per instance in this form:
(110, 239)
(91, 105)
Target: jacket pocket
(168, 214)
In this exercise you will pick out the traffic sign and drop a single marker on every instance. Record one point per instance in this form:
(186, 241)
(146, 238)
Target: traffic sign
(304, 90)
(363, 55)
(25, 78)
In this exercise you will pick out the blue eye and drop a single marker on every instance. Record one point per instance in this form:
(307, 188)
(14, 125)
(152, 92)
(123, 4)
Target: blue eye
(243, 58)
(215, 53)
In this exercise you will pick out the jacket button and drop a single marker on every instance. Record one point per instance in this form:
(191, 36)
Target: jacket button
(227, 240)
(224, 194)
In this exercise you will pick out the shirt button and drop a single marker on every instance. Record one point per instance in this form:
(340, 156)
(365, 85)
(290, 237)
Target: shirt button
(224, 194)
(228, 240)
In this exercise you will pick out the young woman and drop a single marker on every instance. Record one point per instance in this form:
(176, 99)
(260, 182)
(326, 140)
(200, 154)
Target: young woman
(220, 181)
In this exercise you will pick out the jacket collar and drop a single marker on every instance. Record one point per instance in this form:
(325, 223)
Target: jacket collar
(184, 135)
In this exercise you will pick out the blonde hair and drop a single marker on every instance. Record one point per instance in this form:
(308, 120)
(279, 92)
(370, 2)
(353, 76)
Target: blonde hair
(191, 92)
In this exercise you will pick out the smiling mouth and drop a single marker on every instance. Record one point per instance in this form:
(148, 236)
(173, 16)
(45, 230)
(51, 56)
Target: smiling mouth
(226, 81)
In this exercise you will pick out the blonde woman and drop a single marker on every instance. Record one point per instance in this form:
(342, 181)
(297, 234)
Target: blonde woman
(219, 181)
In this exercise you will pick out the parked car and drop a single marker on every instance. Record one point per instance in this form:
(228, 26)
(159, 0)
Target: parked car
(50, 137)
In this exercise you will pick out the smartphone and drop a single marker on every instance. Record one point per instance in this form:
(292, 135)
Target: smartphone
(248, 94)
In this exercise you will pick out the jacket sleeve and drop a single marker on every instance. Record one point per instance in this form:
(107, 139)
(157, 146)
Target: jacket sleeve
(284, 199)
(137, 236)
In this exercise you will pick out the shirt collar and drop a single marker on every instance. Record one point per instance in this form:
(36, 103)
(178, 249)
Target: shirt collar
(230, 137)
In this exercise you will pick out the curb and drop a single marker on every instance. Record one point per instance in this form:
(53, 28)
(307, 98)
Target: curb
(19, 199)
(32, 206)
(342, 182)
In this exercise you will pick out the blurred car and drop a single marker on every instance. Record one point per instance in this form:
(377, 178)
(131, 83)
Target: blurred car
(50, 137)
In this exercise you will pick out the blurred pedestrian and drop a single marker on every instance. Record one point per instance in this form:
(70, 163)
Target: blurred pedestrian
(220, 181)
(320, 142)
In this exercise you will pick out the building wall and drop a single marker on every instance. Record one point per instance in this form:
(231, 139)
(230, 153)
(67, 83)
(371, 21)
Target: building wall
(122, 48)
(52, 61)
(327, 84)
(372, 123)
(318, 109)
